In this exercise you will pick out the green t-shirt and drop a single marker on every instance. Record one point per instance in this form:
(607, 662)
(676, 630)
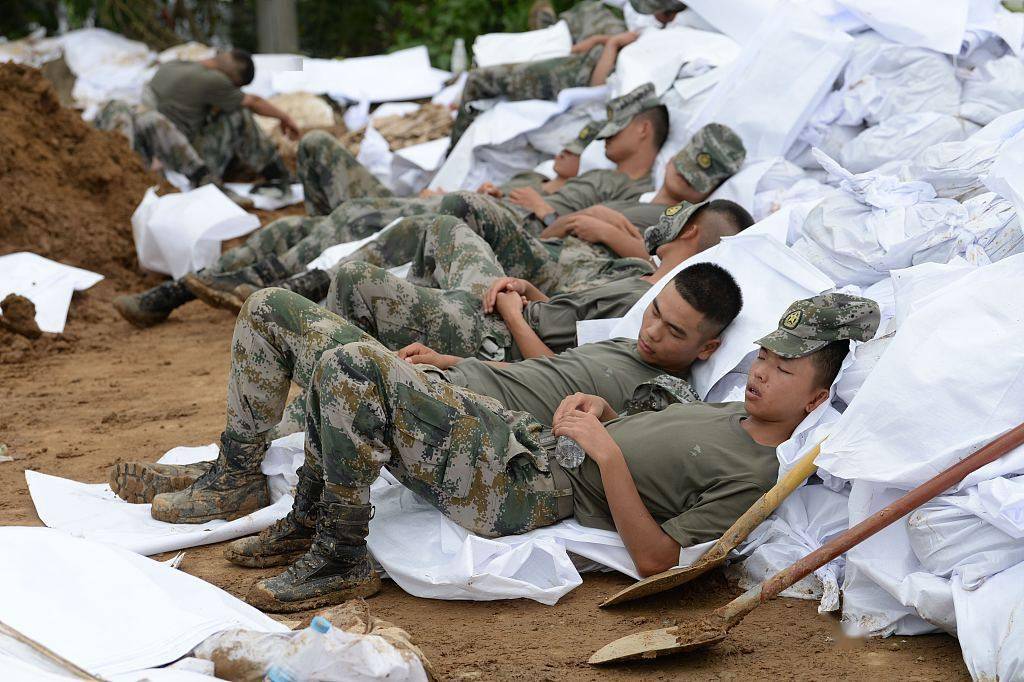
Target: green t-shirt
(597, 187)
(555, 320)
(611, 369)
(185, 93)
(694, 465)
(642, 215)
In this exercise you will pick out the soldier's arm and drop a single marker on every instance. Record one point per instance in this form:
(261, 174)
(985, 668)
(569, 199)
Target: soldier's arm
(510, 307)
(258, 105)
(652, 549)
(606, 62)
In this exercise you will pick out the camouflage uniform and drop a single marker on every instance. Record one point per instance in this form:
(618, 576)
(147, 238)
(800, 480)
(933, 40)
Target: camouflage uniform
(330, 175)
(552, 265)
(479, 463)
(810, 324)
(591, 18)
(225, 138)
(152, 136)
(456, 268)
(542, 79)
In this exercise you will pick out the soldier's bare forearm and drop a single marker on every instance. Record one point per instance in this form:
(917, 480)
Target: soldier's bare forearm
(529, 344)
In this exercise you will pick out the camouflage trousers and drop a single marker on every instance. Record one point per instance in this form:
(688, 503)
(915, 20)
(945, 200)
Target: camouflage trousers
(152, 136)
(225, 139)
(455, 268)
(542, 79)
(296, 240)
(477, 462)
(590, 18)
(552, 265)
(330, 175)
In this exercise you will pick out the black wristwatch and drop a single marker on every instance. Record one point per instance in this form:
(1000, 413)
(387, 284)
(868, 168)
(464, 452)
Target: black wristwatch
(549, 218)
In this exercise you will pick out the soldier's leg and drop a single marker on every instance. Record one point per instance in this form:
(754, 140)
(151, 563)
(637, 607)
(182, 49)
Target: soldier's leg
(119, 117)
(236, 136)
(330, 175)
(395, 245)
(478, 463)
(453, 256)
(520, 254)
(157, 138)
(278, 338)
(398, 313)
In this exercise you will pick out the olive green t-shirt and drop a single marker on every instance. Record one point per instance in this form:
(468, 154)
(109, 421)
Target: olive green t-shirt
(611, 369)
(525, 179)
(642, 215)
(185, 93)
(555, 320)
(694, 465)
(597, 187)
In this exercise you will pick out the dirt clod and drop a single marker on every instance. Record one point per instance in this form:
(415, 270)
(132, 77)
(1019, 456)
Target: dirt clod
(19, 316)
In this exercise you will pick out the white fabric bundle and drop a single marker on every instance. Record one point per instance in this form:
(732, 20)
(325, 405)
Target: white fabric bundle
(901, 137)
(512, 48)
(993, 89)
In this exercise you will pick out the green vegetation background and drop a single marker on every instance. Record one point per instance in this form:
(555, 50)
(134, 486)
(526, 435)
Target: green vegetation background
(327, 28)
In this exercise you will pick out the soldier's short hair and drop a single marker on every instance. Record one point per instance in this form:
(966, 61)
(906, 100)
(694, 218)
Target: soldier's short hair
(737, 216)
(244, 64)
(712, 292)
(828, 361)
(658, 116)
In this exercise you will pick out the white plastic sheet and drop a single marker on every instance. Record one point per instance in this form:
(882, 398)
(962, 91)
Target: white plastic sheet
(107, 609)
(180, 233)
(48, 284)
(107, 66)
(268, 202)
(512, 48)
(993, 89)
(656, 56)
(935, 24)
(793, 51)
(770, 275)
(901, 137)
(990, 625)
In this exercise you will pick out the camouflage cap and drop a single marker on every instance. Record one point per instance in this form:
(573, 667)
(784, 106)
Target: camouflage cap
(713, 154)
(621, 110)
(587, 135)
(671, 223)
(652, 6)
(811, 324)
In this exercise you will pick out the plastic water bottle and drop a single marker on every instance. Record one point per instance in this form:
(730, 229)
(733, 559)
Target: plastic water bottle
(569, 453)
(459, 58)
(308, 651)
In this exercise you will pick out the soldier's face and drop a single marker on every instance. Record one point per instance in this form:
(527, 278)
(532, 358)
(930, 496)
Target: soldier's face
(622, 144)
(674, 334)
(679, 189)
(567, 164)
(782, 389)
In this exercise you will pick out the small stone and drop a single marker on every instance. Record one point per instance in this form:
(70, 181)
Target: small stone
(894, 647)
(919, 659)
(4, 457)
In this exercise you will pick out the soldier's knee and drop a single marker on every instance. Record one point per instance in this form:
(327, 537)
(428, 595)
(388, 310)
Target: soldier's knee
(313, 141)
(264, 303)
(457, 204)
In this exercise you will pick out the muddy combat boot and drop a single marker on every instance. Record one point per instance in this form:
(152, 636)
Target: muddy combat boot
(288, 538)
(217, 289)
(233, 487)
(335, 569)
(153, 306)
(140, 482)
(312, 285)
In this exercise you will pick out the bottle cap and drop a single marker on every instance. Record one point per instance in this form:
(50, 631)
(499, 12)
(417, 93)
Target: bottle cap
(276, 673)
(320, 624)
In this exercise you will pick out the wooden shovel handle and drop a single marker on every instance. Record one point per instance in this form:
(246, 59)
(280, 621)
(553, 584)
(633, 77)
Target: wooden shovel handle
(894, 512)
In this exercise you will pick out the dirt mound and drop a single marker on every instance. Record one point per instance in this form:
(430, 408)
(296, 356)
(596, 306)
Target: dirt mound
(67, 191)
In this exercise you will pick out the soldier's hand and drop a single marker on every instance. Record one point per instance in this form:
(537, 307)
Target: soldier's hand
(490, 189)
(589, 432)
(290, 128)
(590, 229)
(510, 304)
(584, 402)
(625, 38)
(419, 354)
(530, 199)
(503, 284)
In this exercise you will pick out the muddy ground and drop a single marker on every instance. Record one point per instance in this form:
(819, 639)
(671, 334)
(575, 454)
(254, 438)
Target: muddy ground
(121, 393)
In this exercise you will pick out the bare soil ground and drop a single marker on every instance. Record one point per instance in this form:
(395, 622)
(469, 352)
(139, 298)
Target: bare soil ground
(118, 392)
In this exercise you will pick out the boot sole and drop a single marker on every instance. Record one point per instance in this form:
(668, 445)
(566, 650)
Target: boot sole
(136, 483)
(215, 298)
(265, 601)
(138, 318)
(262, 561)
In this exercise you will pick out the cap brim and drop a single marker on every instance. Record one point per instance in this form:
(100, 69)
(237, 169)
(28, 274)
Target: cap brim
(694, 175)
(611, 128)
(790, 346)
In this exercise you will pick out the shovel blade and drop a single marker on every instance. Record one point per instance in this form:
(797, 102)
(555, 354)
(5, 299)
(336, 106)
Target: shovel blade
(650, 644)
(661, 582)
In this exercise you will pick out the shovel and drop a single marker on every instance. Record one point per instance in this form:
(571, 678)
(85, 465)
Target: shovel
(730, 540)
(715, 627)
